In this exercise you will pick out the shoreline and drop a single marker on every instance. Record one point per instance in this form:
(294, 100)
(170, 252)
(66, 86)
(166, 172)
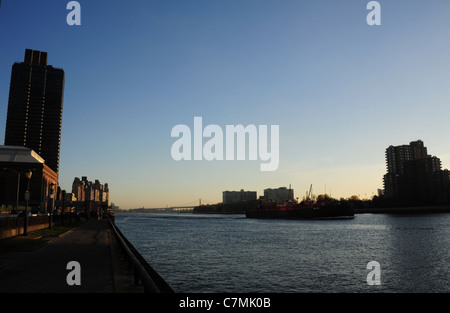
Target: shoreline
(391, 210)
(405, 210)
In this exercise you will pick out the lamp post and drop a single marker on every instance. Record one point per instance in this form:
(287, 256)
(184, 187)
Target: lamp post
(27, 198)
(50, 216)
(63, 209)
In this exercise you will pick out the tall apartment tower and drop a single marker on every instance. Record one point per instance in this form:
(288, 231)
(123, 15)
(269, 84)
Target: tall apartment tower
(398, 155)
(35, 107)
(396, 159)
(413, 177)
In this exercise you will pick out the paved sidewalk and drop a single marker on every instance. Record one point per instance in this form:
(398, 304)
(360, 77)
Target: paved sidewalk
(44, 270)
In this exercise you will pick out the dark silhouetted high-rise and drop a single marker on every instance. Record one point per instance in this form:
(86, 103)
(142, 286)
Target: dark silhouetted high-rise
(35, 107)
(415, 178)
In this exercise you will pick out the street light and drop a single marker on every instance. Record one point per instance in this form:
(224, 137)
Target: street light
(63, 209)
(27, 197)
(52, 196)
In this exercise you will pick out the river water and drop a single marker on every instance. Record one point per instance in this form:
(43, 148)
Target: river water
(230, 253)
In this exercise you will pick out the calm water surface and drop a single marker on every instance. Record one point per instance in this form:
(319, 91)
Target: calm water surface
(230, 253)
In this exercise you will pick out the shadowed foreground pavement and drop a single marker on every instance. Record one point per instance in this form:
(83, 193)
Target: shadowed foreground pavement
(44, 270)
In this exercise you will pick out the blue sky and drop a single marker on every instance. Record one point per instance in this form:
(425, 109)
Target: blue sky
(340, 90)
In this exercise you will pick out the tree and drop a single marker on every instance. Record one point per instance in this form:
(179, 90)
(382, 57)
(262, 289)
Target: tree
(323, 197)
(354, 198)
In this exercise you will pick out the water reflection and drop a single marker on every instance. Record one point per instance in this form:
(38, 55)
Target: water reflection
(417, 250)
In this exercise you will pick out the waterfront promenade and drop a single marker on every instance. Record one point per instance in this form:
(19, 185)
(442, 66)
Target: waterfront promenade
(93, 245)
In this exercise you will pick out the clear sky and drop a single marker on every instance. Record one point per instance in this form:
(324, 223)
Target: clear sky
(340, 90)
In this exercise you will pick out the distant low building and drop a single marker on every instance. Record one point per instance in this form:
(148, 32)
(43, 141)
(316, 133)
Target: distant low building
(238, 196)
(85, 190)
(280, 194)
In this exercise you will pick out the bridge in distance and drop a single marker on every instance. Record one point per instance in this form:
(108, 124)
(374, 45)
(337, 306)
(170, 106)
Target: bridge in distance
(177, 209)
(173, 209)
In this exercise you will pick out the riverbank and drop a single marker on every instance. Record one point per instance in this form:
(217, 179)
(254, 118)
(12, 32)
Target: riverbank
(230, 208)
(240, 208)
(405, 210)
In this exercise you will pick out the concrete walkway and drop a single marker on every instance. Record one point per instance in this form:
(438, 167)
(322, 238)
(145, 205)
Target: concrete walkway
(45, 270)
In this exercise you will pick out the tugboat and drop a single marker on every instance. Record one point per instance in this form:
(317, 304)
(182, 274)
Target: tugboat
(307, 209)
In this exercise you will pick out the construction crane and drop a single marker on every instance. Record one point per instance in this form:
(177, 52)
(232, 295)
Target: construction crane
(309, 194)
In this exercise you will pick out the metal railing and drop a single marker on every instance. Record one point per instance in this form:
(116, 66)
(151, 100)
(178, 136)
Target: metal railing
(143, 272)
